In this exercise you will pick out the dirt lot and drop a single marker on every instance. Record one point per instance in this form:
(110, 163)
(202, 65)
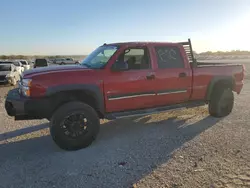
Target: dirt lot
(176, 149)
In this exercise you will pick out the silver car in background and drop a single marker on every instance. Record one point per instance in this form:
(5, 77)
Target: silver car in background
(64, 61)
(9, 74)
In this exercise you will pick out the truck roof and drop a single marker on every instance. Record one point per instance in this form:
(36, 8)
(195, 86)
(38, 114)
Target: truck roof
(186, 45)
(140, 43)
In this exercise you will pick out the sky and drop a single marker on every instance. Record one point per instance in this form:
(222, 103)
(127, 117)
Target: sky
(76, 27)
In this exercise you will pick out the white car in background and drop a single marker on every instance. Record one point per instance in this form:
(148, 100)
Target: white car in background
(25, 64)
(64, 61)
(19, 67)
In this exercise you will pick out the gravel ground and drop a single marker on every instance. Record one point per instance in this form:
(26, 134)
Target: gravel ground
(184, 148)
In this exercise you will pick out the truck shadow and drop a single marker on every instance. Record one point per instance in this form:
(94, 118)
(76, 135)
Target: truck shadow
(124, 152)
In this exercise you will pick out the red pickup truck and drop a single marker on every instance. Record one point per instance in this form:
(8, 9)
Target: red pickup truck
(120, 80)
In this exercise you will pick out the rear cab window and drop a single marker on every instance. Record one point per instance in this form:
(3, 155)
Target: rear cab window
(169, 57)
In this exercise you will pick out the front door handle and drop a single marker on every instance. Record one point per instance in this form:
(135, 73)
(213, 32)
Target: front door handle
(183, 74)
(150, 77)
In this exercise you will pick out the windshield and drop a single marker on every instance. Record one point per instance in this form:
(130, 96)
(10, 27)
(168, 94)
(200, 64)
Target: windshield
(17, 64)
(5, 68)
(24, 62)
(99, 57)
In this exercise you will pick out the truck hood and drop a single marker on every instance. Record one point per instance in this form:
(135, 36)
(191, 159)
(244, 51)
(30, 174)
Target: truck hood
(3, 73)
(53, 68)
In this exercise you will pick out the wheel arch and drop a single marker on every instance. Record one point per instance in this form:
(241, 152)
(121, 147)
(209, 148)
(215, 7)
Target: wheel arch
(89, 94)
(219, 81)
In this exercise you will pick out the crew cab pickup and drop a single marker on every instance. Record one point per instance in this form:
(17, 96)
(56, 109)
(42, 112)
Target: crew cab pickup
(119, 80)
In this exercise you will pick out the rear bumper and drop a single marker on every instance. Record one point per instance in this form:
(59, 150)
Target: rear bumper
(23, 108)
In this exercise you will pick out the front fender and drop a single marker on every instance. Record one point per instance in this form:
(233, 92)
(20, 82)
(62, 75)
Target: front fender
(94, 90)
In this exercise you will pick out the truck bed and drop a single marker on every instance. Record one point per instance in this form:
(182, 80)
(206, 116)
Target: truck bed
(204, 74)
(203, 64)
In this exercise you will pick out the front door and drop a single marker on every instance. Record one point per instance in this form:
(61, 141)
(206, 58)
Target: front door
(133, 88)
(173, 76)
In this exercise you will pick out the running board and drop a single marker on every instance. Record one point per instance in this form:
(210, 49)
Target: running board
(149, 111)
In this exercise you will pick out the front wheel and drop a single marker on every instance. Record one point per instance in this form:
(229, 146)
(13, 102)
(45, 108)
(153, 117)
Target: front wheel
(75, 125)
(221, 103)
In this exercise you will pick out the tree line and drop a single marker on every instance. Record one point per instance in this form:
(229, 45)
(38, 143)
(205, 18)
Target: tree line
(224, 53)
(208, 53)
(27, 57)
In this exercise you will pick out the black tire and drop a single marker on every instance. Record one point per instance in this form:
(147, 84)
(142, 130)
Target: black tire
(221, 102)
(58, 130)
(62, 63)
(77, 63)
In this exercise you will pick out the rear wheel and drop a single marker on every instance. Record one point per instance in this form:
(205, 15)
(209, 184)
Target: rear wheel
(62, 63)
(221, 102)
(74, 125)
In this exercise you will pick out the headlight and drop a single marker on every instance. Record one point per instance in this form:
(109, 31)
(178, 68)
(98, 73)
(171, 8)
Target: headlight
(26, 82)
(25, 87)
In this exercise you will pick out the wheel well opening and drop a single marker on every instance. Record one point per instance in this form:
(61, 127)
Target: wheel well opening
(87, 97)
(225, 83)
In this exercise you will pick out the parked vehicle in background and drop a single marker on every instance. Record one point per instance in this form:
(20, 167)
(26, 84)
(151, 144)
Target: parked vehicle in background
(25, 64)
(19, 66)
(40, 63)
(64, 61)
(120, 80)
(50, 60)
(9, 74)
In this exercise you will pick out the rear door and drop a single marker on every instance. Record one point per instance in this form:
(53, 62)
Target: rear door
(134, 88)
(173, 75)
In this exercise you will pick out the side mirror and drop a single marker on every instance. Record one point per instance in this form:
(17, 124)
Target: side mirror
(119, 66)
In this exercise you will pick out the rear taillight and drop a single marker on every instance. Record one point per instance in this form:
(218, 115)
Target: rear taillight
(243, 71)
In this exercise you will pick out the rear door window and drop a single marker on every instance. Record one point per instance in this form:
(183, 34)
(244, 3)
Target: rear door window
(169, 57)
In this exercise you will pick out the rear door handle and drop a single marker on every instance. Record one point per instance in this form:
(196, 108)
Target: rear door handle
(182, 74)
(150, 76)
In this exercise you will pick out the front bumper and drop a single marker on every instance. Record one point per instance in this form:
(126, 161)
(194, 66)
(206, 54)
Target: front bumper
(4, 81)
(23, 108)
